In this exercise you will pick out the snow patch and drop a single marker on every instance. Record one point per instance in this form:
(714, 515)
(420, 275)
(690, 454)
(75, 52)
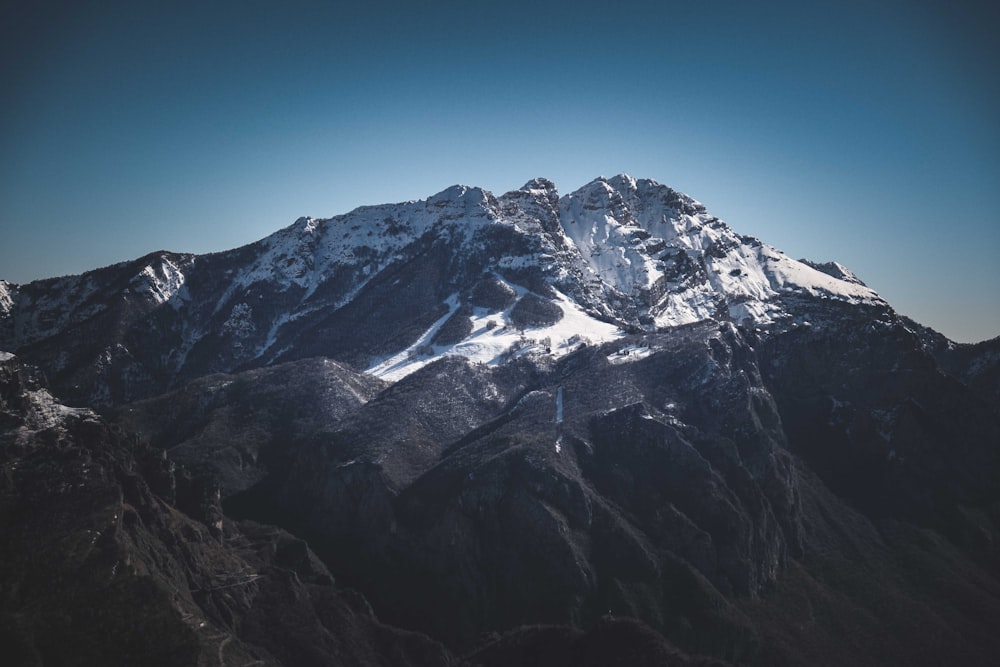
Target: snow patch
(403, 363)
(631, 353)
(789, 275)
(45, 412)
(494, 339)
(6, 297)
(695, 304)
(162, 281)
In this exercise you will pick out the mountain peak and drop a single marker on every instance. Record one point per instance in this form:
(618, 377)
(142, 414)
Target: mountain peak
(539, 184)
(624, 182)
(835, 270)
(463, 193)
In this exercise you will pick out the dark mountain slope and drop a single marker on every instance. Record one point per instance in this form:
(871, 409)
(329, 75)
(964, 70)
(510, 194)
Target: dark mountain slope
(111, 555)
(677, 487)
(240, 428)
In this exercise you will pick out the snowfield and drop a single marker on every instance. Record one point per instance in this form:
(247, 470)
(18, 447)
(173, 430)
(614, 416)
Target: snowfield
(495, 339)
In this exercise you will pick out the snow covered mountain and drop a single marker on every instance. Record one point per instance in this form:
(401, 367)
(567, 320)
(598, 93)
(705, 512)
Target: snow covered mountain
(499, 414)
(389, 288)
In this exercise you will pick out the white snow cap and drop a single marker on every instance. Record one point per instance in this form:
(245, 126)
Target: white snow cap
(614, 241)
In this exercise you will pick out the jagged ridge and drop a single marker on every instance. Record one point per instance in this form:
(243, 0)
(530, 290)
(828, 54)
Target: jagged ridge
(616, 255)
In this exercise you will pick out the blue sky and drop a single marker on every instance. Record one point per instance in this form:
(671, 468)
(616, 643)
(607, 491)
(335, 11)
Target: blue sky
(832, 130)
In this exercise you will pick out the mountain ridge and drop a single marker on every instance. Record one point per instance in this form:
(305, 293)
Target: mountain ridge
(629, 253)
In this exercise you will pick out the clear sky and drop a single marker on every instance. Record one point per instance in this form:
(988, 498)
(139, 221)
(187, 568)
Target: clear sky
(865, 132)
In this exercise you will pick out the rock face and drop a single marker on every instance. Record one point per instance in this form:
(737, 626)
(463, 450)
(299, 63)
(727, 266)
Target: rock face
(684, 487)
(113, 555)
(528, 429)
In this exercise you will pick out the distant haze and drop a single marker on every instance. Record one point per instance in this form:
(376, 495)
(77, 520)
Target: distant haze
(865, 133)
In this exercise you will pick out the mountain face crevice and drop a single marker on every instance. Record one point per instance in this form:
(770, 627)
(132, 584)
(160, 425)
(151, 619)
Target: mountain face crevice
(479, 429)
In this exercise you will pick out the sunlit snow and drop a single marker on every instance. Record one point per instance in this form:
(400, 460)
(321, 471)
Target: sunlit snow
(162, 281)
(492, 344)
(6, 299)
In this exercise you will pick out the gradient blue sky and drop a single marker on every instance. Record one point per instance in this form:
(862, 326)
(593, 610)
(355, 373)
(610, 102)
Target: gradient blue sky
(865, 132)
